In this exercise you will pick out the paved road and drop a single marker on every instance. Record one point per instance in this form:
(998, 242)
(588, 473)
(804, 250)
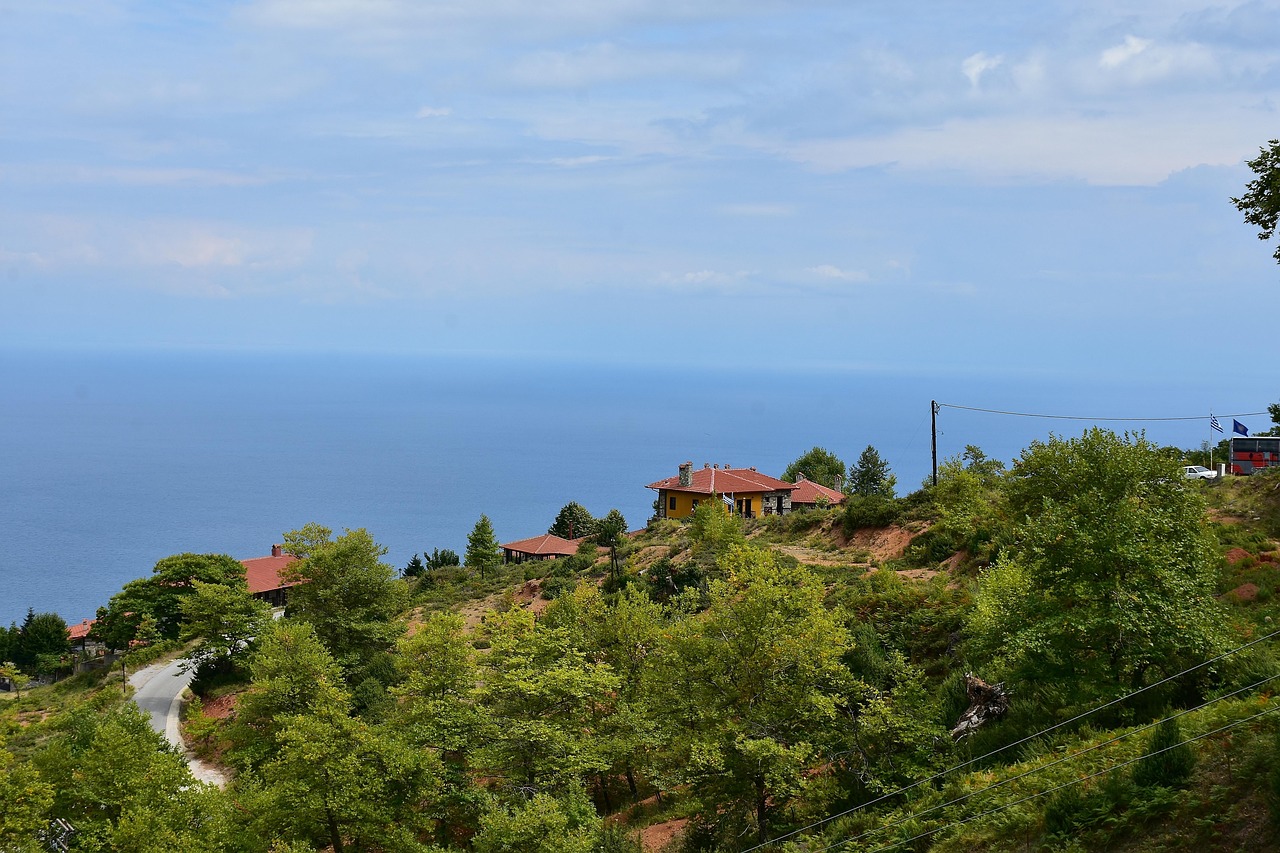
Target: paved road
(158, 692)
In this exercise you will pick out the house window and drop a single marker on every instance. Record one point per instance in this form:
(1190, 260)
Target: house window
(671, 502)
(695, 504)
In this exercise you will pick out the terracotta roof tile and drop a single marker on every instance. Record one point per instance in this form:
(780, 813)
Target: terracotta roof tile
(547, 543)
(807, 492)
(724, 481)
(263, 573)
(80, 631)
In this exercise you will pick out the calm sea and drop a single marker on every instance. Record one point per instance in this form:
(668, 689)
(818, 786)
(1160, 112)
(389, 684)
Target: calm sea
(112, 461)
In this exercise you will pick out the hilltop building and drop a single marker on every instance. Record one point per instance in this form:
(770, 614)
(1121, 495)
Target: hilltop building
(548, 546)
(807, 492)
(748, 492)
(265, 579)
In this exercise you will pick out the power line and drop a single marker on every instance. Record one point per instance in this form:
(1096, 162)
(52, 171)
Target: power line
(1054, 763)
(1082, 418)
(941, 773)
(1057, 788)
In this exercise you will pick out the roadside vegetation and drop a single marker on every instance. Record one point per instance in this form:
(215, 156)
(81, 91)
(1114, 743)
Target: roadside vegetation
(717, 684)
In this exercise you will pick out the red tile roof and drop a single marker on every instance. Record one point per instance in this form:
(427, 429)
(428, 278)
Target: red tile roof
(547, 543)
(807, 492)
(263, 573)
(79, 632)
(724, 481)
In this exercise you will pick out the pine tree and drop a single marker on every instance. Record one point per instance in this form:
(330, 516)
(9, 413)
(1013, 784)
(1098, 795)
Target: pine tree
(870, 477)
(483, 553)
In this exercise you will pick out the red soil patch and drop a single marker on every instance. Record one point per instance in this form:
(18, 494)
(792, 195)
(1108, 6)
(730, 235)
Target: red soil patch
(657, 836)
(220, 707)
(1235, 555)
(1245, 592)
(884, 543)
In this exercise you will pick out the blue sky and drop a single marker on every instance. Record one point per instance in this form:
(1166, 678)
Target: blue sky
(958, 188)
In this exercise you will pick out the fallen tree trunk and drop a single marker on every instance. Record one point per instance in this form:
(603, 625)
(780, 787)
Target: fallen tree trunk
(987, 702)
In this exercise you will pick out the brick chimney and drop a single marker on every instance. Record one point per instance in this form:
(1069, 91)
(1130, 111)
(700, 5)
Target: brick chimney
(277, 551)
(686, 474)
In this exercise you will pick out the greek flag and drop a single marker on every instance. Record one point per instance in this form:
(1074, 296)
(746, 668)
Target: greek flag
(1213, 423)
(1239, 428)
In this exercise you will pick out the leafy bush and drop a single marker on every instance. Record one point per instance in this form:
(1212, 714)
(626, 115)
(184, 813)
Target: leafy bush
(1168, 762)
(862, 511)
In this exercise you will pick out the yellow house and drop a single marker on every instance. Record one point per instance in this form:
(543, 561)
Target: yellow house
(748, 492)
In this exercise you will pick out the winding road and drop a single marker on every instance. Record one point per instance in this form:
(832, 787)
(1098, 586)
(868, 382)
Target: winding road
(158, 692)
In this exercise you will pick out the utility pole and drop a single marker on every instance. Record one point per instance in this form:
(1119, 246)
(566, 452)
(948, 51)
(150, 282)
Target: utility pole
(933, 422)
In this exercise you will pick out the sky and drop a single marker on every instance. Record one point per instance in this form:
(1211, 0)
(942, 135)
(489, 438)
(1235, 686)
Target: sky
(1004, 188)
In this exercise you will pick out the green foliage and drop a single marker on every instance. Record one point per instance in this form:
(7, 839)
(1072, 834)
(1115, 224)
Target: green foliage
(863, 511)
(336, 779)
(667, 580)
(750, 689)
(415, 568)
(41, 643)
(1260, 203)
(1168, 761)
(543, 824)
(542, 695)
(572, 522)
(819, 465)
(122, 786)
(25, 800)
(713, 530)
(160, 596)
(483, 553)
(293, 674)
(226, 618)
(611, 533)
(1112, 579)
(969, 510)
(350, 596)
(870, 476)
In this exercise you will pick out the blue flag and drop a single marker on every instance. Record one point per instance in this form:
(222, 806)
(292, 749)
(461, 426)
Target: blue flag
(1238, 428)
(1213, 423)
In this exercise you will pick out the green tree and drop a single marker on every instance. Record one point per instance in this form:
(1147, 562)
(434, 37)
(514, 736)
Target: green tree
(750, 691)
(415, 568)
(541, 693)
(1112, 577)
(543, 824)
(336, 779)
(713, 530)
(483, 553)
(43, 637)
(442, 558)
(352, 598)
(26, 799)
(870, 477)
(17, 679)
(820, 465)
(293, 673)
(1260, 203)
(573, 521)
(160, 596)
(226, 617)
(123, 786)
(611, 532)
(1167, 761)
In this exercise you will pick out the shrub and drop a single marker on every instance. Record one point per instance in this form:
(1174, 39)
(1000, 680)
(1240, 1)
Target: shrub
(869, 511)
(1168, 762)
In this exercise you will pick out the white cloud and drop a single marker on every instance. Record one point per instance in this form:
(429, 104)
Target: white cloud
(829, 271)
(977, 65)
(1114, 57)
(433, 112)
(1140, 146)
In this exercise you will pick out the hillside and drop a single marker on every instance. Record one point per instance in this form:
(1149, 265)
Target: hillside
(786, 681)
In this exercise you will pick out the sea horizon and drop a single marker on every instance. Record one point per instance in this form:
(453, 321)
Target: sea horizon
(117, 459)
